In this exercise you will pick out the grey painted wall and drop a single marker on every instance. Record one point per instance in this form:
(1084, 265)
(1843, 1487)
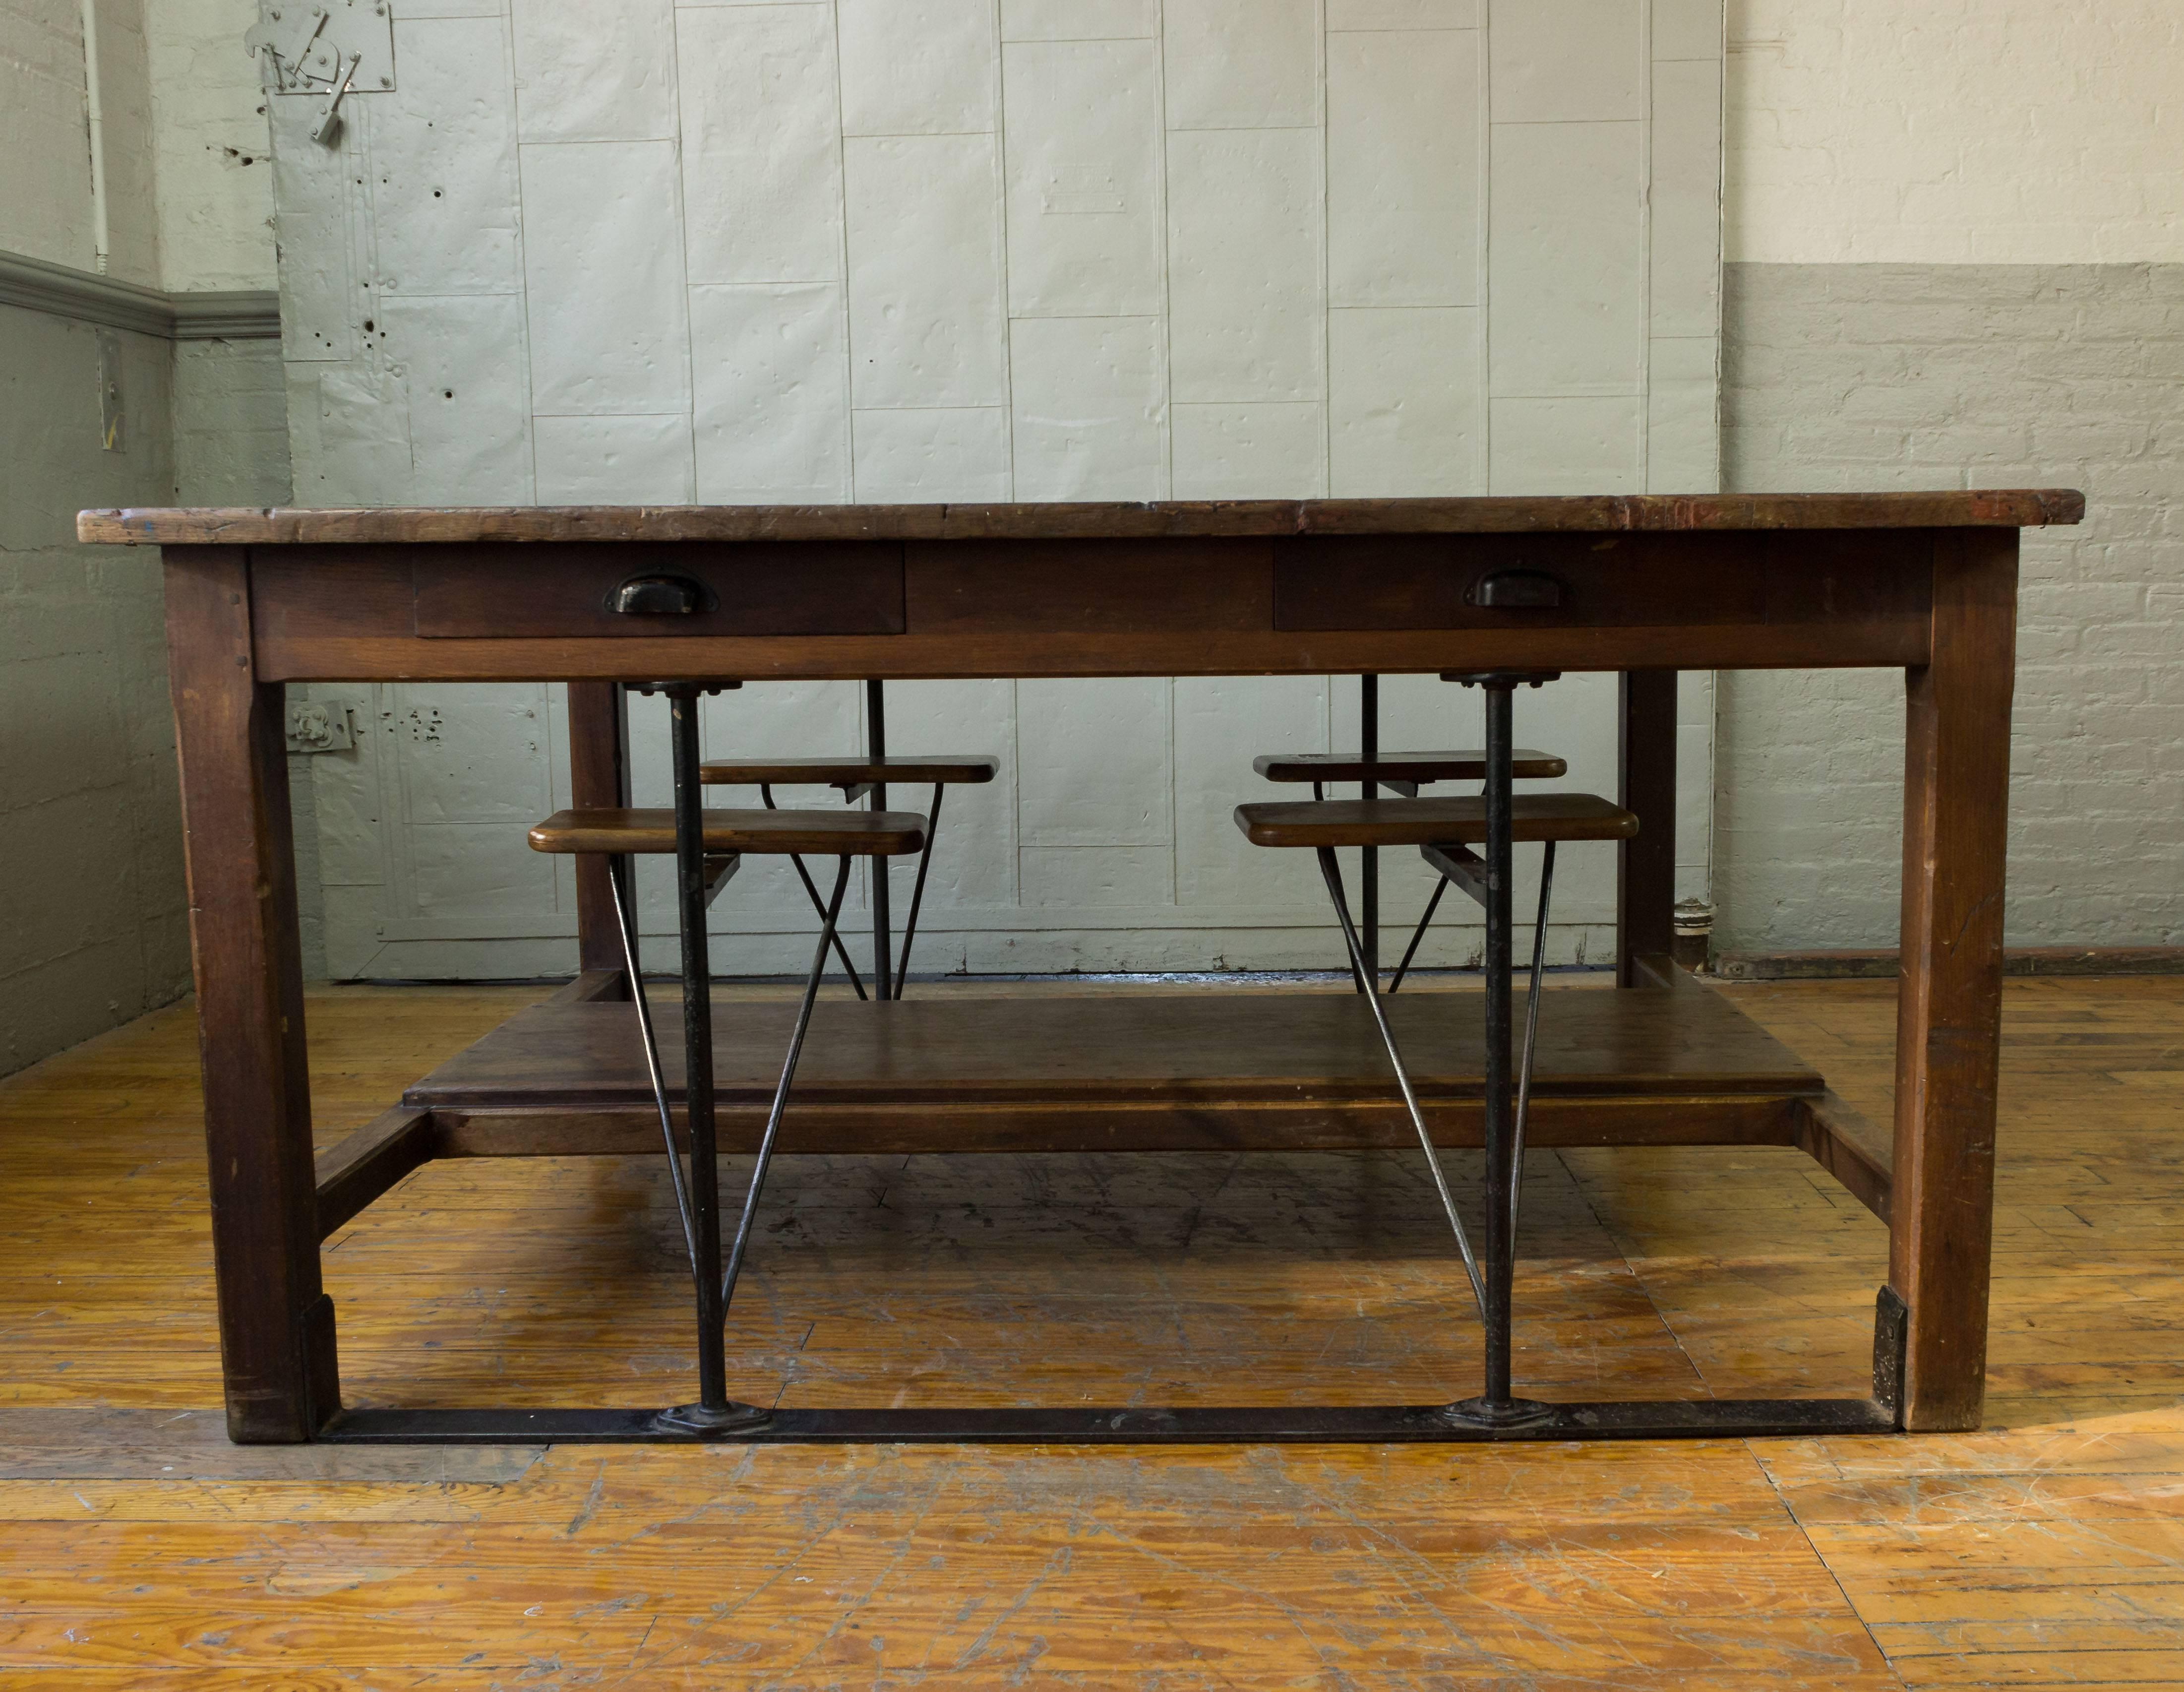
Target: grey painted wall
(94, 928)
(1903, 376)
(230, 424)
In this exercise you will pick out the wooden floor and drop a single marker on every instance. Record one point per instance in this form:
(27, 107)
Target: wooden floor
(139, 1549)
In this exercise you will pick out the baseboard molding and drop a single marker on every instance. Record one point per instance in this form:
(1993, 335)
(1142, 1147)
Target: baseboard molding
(1876, 965)
(239, 315)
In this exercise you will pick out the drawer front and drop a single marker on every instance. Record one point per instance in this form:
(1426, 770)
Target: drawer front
(746, 588)
(1592, 581)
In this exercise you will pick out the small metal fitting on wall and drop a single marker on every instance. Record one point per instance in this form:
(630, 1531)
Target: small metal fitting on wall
(317, 725)
(336, 49)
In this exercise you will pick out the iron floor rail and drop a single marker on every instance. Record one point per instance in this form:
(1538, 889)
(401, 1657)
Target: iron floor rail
(1537, 1421)
(1188, 1425)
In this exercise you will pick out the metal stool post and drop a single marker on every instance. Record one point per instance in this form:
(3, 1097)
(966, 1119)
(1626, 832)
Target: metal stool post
(709, 846)
(883, 967)
(1497, 1404)
(714, 1410)
(1446, 832)
(1501, 1104)
(1369, 869)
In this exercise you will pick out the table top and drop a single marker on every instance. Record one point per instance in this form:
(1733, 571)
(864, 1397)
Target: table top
(253, 525)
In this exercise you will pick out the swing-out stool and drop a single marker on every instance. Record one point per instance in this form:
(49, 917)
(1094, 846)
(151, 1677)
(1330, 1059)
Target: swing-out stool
(858, 779)
(1445, 830)
(709, 846)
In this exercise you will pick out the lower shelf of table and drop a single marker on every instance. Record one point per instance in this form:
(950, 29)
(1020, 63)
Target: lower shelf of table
(1177, 1071)
(1172, 1071)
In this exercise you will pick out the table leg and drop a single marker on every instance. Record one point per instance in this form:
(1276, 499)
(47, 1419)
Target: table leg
(599, 778)
(1501, 1258)
(276, 1327)
(1956, 806)
(685, 704)
(1646, 866)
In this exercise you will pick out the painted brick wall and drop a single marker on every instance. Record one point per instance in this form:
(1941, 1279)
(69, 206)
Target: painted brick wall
(94, 929)
(210, 147)
(45, 209)
(45, 213)
(1903, 376)
(1955, 131)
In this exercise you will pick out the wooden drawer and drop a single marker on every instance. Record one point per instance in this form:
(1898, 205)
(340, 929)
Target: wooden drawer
(744, 588)
(1594, 581)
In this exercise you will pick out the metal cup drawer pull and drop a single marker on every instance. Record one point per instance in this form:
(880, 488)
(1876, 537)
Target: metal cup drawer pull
(660, 596)
(1515, 590)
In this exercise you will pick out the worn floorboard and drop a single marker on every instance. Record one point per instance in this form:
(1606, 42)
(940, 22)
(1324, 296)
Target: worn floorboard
(139, 1549)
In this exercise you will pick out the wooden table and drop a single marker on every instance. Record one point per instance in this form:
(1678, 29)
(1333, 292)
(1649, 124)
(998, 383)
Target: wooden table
(1923, 583)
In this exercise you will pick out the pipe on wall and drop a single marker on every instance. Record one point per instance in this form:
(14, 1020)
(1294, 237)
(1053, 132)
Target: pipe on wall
(95, 121)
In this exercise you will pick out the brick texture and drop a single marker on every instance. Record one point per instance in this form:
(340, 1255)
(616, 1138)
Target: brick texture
(1916, 376)
(94, 930)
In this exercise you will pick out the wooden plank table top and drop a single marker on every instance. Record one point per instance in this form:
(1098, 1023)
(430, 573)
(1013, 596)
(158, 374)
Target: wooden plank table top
(1112, 519)
(1923, 583)
(1172, 588)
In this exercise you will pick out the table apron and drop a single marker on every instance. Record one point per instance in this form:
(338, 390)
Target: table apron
(1302, 606)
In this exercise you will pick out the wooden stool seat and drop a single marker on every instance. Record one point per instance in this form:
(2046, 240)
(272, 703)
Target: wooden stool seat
(838, 833)
(1431, 821)
(1525, 765)
(868, 777)
(845, 772)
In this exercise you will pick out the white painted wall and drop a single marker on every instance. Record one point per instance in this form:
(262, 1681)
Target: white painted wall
(47, 207)
(1967, 223)
(964, 249)
(211, 146)
(1956, 132)
(45, 212)
(1983, 131)
(189, 189)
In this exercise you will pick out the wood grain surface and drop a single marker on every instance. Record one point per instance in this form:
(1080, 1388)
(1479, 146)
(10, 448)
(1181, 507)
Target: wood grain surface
(948, 1052)
(854, 834)
(1525, 764)
(1646, 785)
(494, 592)
(252, 526)
(1095, 605)
(599, 778)
(143, 1550)
(1956, 810)
(239, 849)
(1459, 820)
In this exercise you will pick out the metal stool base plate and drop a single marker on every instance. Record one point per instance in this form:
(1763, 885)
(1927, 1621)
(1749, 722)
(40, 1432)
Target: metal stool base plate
(695, 1421)
(1516, 1413)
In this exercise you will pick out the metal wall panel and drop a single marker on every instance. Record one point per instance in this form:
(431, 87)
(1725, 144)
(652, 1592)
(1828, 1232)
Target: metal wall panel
(971, 249)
